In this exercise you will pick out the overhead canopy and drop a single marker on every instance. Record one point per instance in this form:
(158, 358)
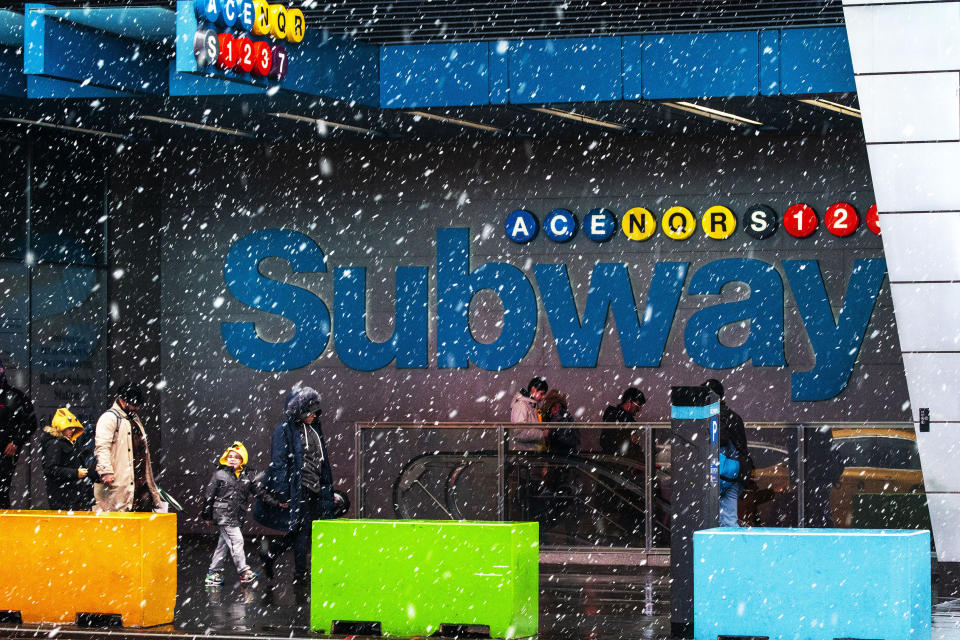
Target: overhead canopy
(784, 78)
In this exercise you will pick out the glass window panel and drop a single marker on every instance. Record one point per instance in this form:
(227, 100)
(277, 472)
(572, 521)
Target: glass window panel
(67, 203)
(15, 352)
(865, 479)
(442, 474)
(14, 321)
(69, 341)
(769, 498)
(13, 216)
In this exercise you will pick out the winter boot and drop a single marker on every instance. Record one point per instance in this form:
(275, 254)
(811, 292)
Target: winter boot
(267, 559)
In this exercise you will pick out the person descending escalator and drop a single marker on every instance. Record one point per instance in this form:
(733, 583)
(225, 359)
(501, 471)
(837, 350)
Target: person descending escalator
(558, 508)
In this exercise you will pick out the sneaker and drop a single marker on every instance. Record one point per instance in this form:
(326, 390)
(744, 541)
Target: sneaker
(214, 579)
(248, 576)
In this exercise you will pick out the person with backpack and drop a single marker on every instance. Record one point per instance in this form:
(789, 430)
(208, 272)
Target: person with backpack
(64, 469)
(562, 440)
(123, 464)
(736, 465)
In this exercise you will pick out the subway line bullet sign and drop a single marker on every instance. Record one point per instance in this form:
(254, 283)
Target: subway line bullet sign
(235, 49)
(717, 222)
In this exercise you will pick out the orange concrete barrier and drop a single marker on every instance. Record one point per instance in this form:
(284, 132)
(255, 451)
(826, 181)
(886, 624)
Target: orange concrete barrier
(57, 565)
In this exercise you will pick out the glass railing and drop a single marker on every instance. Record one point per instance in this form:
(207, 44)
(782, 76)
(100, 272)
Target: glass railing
(600, 487)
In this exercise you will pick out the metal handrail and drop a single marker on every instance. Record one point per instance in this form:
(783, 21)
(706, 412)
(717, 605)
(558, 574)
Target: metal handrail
(502, 428)
(480, 425)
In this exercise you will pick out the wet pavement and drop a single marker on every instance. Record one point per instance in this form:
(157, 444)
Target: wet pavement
(262, 607)
(576, 602)
(580, 602)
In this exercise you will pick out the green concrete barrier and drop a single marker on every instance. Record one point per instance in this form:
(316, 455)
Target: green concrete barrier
(410, 577)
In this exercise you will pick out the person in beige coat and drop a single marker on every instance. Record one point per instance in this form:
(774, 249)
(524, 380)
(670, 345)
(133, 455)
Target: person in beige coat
(524, 409)
(124, 467)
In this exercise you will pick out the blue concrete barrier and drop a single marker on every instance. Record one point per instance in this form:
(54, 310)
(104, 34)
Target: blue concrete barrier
(812, 584)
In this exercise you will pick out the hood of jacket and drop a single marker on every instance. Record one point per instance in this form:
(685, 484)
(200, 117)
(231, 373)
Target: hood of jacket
(521, 397)
(63, 419)
(550, 400)
(301, 402)
(239, 448)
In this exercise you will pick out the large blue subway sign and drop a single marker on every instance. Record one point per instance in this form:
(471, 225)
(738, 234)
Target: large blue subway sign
(642, 329)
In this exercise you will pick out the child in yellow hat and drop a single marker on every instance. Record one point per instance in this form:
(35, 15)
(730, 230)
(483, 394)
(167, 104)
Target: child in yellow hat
(63, 468)
(226, 500)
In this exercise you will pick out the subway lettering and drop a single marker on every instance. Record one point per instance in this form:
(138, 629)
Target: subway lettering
(642, 329)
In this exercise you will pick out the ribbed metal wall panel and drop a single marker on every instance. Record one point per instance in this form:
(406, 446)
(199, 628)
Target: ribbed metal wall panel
(906, 64)
(424, 21)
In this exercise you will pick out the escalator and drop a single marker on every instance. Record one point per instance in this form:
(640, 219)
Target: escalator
(579, 500)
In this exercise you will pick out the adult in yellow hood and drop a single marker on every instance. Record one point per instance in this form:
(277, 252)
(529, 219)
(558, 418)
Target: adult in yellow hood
(67, 486)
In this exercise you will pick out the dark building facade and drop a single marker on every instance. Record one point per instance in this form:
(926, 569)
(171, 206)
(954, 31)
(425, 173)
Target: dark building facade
(223, 276)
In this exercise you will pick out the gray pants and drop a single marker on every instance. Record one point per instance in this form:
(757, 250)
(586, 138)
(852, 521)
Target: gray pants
(231, 541)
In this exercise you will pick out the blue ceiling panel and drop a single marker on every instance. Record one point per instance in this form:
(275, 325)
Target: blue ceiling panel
(61, 49)
(13, 83)
(769, 63)
(153, 24)
(43, 87)
(499, 72)
(572, 70)
(336, 68)
(815, 61)
(436, 75)
(11, 28)
(697, 65)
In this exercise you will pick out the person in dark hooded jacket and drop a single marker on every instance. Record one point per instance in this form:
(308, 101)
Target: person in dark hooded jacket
(732, 441)
(623, 442)
(300, 475)
(17, 423)
(63, 466)
(562, 440)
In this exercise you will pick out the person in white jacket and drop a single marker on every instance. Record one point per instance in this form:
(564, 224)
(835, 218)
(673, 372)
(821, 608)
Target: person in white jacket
(524, 408)
(124, 468)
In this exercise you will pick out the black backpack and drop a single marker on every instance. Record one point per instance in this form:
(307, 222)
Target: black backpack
(90, 460)
(89, 455)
